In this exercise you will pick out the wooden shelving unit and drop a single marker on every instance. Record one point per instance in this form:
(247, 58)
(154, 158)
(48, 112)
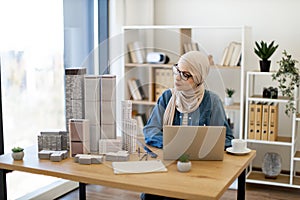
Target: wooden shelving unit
(170, 40)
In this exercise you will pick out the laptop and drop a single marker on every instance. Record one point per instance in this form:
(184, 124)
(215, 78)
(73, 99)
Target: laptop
(199, 142)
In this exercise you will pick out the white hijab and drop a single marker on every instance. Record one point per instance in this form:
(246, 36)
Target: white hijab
(188, 101)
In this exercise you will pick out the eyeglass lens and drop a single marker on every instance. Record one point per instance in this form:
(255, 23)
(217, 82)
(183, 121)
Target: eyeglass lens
(183, 75)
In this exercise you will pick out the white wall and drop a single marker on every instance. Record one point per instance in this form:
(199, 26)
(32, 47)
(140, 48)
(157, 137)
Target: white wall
(270, 19)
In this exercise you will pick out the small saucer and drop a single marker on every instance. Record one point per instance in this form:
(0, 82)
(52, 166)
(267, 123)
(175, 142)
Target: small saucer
(230, 150)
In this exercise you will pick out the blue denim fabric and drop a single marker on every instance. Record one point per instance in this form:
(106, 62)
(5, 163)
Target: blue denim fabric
(210, 113)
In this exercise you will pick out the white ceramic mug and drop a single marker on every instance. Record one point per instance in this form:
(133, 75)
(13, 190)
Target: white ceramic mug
(238, 145)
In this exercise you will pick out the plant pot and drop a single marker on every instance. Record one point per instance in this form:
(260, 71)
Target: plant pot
(228, 101)
(265, 65)
(184, 166)
(18, 155)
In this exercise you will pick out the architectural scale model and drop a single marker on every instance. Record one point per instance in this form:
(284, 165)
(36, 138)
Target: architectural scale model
(86, 159)
(129, 128)
(55, 140)
(55, 156)
(74, 96)
(109, 145)
(90, 97)
(117, 156)
(79, 136)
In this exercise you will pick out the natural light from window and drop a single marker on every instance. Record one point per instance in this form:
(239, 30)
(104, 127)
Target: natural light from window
(31, 47)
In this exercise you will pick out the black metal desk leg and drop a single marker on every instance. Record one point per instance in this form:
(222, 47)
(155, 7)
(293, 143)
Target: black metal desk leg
(241, 186)
(3, 191)
(82, 191)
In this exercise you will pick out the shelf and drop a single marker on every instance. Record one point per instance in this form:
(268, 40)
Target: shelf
(283, 141)
(260, 73)
(235, 106)
(149, 65)
(144, 102)
(296, 181)
(259, 177)
(297, 156)
(281, 180)
(225, 67)
(297, 117)
(280, 99)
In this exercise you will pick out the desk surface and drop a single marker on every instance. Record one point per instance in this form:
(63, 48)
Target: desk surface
(206, 180)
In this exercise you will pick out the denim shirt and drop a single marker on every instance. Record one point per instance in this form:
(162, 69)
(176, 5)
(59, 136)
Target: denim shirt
(210, 113)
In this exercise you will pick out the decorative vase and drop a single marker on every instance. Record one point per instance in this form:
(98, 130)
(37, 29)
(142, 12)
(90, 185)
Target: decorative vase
(18, 155)
(228, 101)
(265, 65)
(184, 166)
(271, 166)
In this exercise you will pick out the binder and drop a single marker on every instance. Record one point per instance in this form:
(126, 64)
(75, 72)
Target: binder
(251, 121)
(265, 121)
(258, 118)
(273, 122)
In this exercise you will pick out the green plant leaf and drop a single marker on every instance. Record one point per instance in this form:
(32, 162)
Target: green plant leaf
(17, 149)
(184, 158)
(263, 50)
(288, 78)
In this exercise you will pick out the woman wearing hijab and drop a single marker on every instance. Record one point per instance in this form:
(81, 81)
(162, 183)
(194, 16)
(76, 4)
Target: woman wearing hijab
(187, 104)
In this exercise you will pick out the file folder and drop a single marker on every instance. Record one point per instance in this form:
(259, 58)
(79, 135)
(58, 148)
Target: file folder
(258, 118)
(273, 122)
(251, 121)
(265, 121)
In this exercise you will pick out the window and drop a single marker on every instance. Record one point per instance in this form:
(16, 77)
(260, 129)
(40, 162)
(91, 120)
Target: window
(31, 46)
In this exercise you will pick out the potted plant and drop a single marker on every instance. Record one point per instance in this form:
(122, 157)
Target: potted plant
(183, 163)
(264, 52)
(229, 99)
(288, 78)
(17, 153)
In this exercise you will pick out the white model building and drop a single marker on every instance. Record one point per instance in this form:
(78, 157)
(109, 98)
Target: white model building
(129, 128)
(108, 106)
(92, 109)
(100, 108)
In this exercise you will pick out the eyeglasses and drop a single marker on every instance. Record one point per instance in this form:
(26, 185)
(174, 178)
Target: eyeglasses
(183, 75)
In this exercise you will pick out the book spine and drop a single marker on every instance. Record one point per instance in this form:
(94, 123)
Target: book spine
(134, 90)
(140, 88)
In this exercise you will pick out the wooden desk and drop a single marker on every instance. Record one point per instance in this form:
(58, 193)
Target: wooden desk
(206, 180)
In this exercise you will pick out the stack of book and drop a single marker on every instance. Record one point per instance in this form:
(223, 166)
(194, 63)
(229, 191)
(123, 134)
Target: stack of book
(136, 89)
(192, 46)
(136, 52)
(263, 121)
(232, 54)
(141, 120)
